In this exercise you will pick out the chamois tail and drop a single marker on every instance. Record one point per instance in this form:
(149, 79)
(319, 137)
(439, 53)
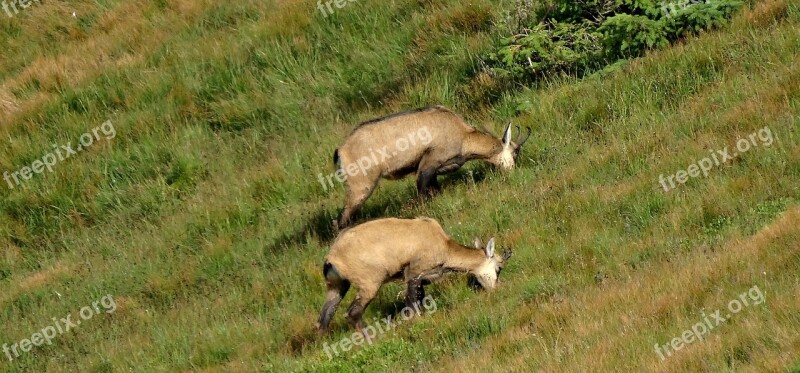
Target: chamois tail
(326, 268)
(336, 157)
(330, 273)
(337, 288)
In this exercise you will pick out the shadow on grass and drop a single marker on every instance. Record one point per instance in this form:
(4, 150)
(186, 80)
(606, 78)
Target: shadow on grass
(389, 202)
(341, 329)
(473, 175)
(388, 309)
(379, 310)
(316, 224)
(321, 223)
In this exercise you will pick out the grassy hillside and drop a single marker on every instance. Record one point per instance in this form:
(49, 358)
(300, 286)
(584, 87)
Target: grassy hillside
(204, 219)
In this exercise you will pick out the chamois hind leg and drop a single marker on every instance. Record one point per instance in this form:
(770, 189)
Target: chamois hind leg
(356, 310)
(337, 288)
(358, 189)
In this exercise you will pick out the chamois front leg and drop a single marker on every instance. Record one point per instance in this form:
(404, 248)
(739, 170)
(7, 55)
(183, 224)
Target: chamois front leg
(420, 295)
(427, 185)
(434, 184)
(431, 166)
(414, 295)
(356, 310)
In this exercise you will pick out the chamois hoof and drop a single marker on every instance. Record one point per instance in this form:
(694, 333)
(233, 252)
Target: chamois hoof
(320, 330)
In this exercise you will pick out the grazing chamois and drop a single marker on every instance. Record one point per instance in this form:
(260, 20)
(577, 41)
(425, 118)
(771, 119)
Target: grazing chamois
(428, 142)
(415, 251)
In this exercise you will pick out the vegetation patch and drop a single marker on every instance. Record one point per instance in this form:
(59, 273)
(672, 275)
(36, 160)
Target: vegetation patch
(578, 37)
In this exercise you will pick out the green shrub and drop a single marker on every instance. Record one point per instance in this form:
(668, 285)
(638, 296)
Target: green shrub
(583, 35)
(626, 35)
(596, 11)
(698, 17)
(545, 48)
(581, 10)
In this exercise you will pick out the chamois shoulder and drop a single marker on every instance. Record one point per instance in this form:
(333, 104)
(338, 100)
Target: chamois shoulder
(428, 220)
(434, 226)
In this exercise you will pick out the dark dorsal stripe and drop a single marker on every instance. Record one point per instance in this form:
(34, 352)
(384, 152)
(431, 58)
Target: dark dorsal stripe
(400, 114)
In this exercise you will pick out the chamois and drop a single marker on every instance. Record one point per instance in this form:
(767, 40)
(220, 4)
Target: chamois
(428, 142)
(414, 251)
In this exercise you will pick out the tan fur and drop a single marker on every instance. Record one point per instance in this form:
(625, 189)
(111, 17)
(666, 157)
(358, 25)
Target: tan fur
(414, 251)
(369, 254)
(452, 143)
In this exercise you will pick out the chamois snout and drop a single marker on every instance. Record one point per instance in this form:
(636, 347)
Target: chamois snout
(507, 157)
(488, 273)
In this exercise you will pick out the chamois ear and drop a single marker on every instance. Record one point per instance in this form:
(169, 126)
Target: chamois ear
(507, 135)
(477, 243)
(489, 249)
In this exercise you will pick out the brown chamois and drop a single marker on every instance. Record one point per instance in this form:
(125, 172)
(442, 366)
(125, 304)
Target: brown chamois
(414, 251)
(428, 142)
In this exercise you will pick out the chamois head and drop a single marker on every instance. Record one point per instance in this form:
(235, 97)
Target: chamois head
(507, 157)
(488, 272)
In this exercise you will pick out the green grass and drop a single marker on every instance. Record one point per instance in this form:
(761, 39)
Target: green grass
(205, 220)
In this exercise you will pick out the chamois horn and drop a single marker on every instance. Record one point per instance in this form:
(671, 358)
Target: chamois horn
(520, 142)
